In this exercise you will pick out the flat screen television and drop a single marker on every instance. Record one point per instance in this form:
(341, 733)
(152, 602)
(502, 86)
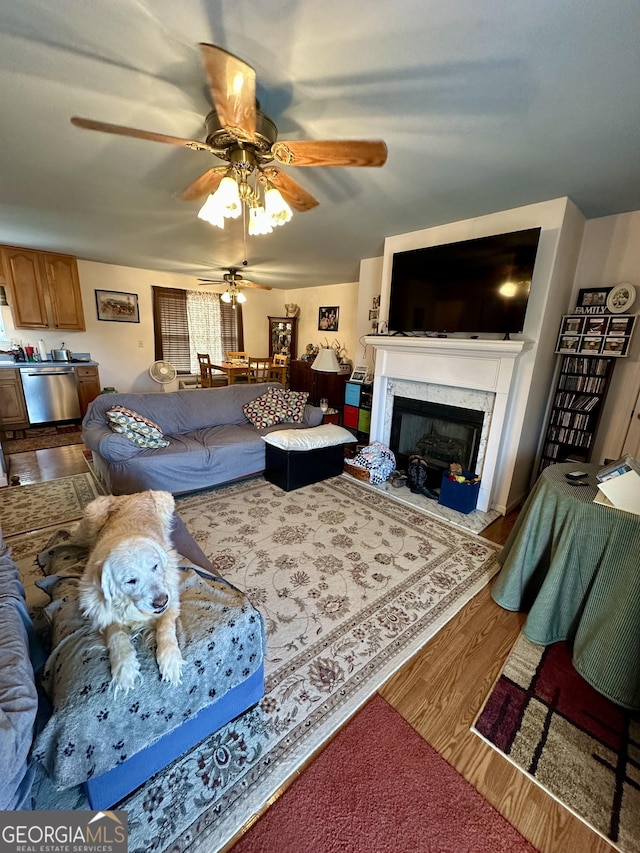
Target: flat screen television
(474, 286)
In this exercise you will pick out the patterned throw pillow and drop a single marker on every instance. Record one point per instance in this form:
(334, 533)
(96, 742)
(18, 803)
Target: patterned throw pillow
(276, 406)
(295, 401)
(138, 429)
(266, 410)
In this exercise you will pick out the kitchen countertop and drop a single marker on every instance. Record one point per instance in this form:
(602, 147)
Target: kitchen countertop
(38, 364)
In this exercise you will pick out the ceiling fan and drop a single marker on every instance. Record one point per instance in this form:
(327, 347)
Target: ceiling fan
(238, 132)
(233, 277)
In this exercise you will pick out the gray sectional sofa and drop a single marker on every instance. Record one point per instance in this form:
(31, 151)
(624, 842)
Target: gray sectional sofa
(210, 439)
(19, 654)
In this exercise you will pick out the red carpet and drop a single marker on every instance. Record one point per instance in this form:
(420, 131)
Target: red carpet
(380, 788)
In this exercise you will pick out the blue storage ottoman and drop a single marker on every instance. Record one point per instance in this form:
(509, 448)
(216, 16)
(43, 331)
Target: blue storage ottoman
(300, 457)
(460, 496)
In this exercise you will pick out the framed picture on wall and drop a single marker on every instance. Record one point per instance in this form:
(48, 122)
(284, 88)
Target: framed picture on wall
(592, 300)
(117, 307)
(328, 319)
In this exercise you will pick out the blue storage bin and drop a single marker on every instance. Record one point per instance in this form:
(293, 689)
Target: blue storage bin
(352, 394)
(460, 496)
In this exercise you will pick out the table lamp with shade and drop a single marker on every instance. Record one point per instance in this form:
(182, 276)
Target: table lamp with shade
(326, 361)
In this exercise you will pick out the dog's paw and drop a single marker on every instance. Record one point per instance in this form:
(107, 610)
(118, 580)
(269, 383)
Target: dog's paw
(125, 674)
(170, 663)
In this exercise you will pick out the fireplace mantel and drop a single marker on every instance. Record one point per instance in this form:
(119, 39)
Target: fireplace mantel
(457, 363)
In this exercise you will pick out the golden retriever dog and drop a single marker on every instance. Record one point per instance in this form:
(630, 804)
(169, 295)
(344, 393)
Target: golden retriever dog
(131, 579)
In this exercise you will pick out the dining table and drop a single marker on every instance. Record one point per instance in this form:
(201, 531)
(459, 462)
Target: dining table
(574, 566)
(232, 369)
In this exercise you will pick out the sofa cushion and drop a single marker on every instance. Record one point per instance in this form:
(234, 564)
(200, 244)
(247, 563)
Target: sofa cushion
(18, 696)
(138, 429)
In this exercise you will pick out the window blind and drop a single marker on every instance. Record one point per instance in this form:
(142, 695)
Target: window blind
(173, 341)
(171, 330)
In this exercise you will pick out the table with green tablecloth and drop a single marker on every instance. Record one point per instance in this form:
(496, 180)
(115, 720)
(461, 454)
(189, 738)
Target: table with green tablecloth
(574, 565)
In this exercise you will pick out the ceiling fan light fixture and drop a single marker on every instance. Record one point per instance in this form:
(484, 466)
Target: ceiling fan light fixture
(228, 197)
(259, 222)
(211, 212)
(226, 296)
(276, 208)
(240, 297)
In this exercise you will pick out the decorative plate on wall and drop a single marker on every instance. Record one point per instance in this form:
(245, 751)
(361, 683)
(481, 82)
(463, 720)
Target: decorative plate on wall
(621, 298)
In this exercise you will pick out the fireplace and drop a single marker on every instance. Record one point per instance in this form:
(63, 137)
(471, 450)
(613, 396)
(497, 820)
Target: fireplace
(440, 433)
(463, 374)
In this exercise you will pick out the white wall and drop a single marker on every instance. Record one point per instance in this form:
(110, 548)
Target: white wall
(124, 351)
(370, 288)
(611, 254)
(310, 299)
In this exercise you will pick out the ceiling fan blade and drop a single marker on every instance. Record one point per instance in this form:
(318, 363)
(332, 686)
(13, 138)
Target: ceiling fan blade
(121, 130)
(331, 153)
(240, 282)
(207, 183)
(233, 90)
(244, 283)
(291, 191)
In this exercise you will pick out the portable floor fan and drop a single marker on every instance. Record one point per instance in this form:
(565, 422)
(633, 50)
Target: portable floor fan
(163, 372)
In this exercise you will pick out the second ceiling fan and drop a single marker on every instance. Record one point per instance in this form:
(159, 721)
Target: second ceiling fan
(233, 277)
(238, 132)
(235, 282)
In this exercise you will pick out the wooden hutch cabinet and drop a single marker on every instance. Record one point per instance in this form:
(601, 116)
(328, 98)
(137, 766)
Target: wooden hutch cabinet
(283, 334)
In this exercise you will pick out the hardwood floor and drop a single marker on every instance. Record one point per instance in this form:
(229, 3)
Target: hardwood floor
(35, 466)
(439, 691)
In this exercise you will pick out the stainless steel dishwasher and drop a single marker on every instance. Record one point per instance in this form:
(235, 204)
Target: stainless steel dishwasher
(51, 393)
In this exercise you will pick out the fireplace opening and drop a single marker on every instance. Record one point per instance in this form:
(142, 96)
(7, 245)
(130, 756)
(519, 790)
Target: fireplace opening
(440, 434)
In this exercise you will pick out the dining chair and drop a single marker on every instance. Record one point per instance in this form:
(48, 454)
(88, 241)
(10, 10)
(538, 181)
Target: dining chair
(259, 369)
(236, 355)
(278, 372)
(206, 372)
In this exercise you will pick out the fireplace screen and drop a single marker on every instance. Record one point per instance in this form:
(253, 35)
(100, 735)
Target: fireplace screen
(439, 433)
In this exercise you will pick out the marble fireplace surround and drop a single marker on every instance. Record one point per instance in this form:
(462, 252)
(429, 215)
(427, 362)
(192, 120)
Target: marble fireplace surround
(472, 374)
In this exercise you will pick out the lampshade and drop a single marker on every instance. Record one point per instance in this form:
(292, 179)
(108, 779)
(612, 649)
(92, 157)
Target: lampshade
(327, 361)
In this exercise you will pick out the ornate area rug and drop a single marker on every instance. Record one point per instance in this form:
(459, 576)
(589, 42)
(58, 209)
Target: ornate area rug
(351, 584)
(575, 743)
(54, 502)
(41, 438)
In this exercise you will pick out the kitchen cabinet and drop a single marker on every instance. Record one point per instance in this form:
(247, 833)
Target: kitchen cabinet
(283, 336)
(88, 381)
(318, 384)
(13, 409)
(43, 289)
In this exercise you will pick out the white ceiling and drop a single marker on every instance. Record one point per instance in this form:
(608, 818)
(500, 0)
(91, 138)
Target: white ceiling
(484, 105)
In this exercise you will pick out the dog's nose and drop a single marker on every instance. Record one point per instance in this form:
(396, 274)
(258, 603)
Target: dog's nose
(160, 602)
